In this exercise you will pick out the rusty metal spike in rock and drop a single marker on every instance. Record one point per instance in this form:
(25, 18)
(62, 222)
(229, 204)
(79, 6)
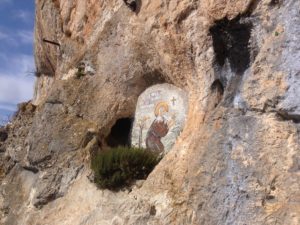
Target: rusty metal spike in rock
(51, 42)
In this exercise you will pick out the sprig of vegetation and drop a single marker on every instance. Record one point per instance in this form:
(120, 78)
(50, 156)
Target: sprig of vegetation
(80, 73)
(119, 167)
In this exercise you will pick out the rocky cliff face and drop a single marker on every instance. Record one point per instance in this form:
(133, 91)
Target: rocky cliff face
(237, 160)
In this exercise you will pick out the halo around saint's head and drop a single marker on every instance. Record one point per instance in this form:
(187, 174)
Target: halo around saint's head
(159, 107)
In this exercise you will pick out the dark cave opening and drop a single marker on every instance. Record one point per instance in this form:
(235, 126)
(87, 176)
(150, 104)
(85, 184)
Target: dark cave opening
(217, 86)
(120, 133)
(231, 41)
(217, 89)
(134, 5)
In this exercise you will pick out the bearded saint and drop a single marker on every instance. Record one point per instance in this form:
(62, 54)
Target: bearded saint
(158, 129)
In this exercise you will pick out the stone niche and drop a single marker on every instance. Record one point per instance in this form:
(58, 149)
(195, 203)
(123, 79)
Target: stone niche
(159, 118)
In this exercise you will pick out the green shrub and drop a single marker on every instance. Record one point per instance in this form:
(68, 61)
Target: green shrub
(119, 167)
(80, 72)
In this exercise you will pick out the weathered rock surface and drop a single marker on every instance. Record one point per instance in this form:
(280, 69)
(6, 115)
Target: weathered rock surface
(237, 159)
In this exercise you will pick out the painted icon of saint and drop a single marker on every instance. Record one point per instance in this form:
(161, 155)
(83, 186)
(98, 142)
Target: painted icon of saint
(159, 128)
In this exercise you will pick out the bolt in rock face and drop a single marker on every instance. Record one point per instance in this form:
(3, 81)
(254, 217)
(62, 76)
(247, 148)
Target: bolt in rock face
(226, 120)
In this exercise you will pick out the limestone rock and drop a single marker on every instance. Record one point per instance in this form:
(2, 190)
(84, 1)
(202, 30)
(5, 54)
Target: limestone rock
(236, 160)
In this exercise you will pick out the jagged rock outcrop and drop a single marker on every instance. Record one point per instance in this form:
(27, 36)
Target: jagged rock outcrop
(237, 160)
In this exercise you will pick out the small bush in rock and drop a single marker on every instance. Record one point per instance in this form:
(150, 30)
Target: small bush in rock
(80, 70)
(80, 73)
(119, 167)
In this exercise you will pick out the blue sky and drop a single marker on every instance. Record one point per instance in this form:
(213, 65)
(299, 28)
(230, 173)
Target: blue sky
(16, 54)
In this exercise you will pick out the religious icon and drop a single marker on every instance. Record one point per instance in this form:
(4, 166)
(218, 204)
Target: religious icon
(159, 128)
(159, 118)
